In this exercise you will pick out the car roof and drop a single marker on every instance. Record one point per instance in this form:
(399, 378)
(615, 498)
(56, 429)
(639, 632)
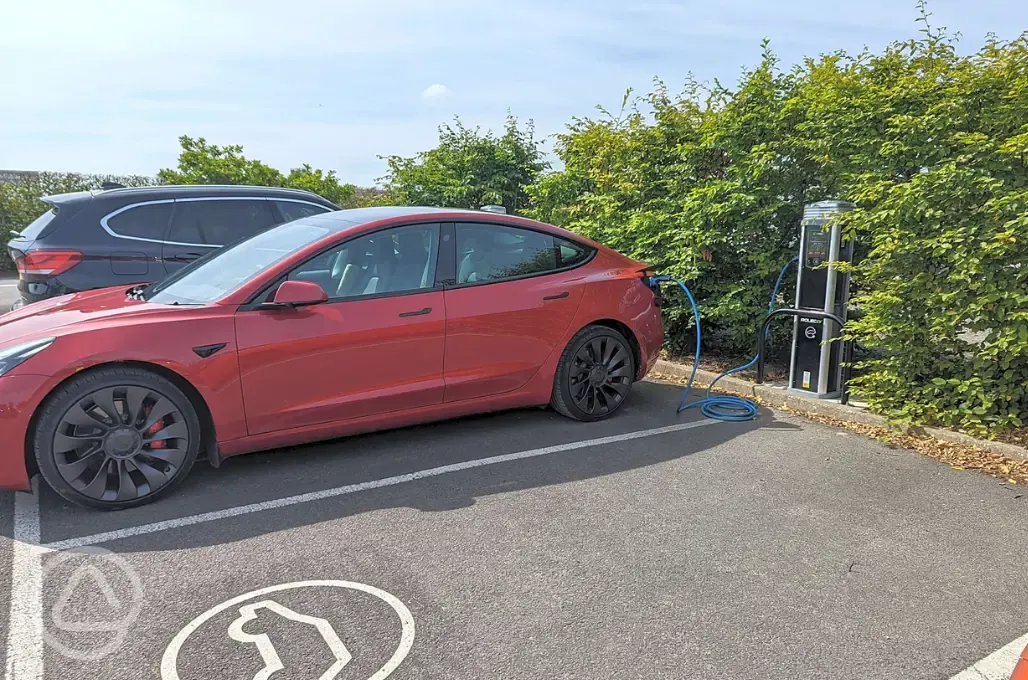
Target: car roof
(374, 214)
(175, 190)
(356, 219)
(167, 191)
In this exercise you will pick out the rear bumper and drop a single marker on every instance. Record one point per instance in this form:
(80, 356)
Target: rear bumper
(19, 397)
(649, 330)
(35, 291)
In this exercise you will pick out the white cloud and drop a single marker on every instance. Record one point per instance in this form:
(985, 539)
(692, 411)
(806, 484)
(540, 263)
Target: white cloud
(436, 92)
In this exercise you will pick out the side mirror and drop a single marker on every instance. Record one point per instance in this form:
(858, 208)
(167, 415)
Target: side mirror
(298, 294)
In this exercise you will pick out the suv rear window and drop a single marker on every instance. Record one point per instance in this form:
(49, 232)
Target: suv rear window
(148, 221)
(38, 225)
(294, 210)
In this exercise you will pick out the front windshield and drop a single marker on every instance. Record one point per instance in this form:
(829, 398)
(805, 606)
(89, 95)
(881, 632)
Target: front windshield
(222, 272)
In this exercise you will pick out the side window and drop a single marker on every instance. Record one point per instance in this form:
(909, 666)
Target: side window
(488, 252)
(292, 210)
(142, 221)
(570, 254)
(219, 222)
(391, 261)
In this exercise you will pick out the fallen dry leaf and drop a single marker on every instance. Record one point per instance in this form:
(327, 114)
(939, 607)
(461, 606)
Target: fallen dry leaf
(955, 455)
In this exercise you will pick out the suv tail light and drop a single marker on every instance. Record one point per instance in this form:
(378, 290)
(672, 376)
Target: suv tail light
(47, 262)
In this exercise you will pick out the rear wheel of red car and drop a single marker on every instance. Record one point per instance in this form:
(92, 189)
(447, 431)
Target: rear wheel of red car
(594, 375)
(116, 438)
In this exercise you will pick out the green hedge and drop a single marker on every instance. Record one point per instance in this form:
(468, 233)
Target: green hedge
(709, 186)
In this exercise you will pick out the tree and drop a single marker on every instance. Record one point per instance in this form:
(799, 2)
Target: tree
(469, 169)
(203, 163)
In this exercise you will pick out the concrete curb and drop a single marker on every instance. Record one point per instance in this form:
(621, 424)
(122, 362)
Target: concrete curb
(775, 395)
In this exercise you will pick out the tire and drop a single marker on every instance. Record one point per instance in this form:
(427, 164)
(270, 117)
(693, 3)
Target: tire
(590, 348)
(116, 438)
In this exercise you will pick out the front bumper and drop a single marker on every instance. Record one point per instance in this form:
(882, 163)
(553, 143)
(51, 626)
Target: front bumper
(19, 397)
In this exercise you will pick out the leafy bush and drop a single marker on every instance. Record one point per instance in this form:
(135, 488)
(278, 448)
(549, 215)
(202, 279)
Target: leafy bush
(933, 148)
(709, 184)
(706, 185)
(468, 169)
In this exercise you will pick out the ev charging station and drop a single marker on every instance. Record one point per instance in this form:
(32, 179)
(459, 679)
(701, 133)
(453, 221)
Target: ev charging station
(816, 364)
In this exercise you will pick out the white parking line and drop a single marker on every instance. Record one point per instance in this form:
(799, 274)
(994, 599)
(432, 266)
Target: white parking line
(996, 666)
(363, 486)
(25, 624)
(25, 631)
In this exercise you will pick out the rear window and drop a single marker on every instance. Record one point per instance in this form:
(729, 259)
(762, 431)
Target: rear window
(294, 210)
(33, 231)
(147, 221)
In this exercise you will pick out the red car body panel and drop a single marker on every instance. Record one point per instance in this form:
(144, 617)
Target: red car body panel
(291, 376)
(334, 362)
(1021, 669)
(496, 342)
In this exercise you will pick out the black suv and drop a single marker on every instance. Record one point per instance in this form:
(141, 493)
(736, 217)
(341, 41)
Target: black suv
(95, 239)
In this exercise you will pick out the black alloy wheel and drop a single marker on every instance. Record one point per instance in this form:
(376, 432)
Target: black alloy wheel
(595, 374)
(117, 443)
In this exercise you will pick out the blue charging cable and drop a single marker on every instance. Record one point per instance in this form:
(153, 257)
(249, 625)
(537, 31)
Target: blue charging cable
(720, 407)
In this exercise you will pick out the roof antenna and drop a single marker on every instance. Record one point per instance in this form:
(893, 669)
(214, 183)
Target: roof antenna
(106, 186)
(498, 209)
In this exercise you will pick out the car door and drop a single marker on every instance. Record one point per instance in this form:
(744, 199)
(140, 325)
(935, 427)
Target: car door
(376, 345)
(200, 225)
(135, 251)
(514, 294)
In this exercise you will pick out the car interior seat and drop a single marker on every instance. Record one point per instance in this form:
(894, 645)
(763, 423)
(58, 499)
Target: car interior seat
(411, 260)
(474, 265)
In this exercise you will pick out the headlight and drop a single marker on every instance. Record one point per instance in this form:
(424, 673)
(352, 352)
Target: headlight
(12, 356)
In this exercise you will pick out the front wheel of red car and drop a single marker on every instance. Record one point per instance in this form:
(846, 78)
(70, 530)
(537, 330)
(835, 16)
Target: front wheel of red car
(594, 375)
(116, 438)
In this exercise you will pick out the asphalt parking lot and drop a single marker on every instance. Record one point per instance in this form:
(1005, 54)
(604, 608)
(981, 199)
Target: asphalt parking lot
(533, 547)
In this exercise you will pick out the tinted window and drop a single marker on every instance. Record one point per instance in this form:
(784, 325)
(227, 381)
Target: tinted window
(390, 261)
(570, 253)
(291, 210)
(142, 221)
(225, 270)
(216, 223)
(36, 227)
(490, 252)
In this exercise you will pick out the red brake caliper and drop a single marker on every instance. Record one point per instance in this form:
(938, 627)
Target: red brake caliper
(154, 429)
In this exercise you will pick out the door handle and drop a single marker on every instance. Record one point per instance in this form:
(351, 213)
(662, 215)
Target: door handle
(559, 296)
(187, 257)
(420, 312)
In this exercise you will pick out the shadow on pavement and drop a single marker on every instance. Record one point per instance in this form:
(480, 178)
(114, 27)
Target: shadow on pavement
(259, 477)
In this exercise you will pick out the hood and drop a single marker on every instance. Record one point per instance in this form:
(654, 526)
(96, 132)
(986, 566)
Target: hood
(60, 315)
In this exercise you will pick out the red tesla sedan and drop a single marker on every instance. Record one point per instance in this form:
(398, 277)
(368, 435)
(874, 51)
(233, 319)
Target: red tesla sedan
(330, 325)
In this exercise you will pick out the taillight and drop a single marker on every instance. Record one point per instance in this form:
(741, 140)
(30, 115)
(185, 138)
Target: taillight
(47, 262)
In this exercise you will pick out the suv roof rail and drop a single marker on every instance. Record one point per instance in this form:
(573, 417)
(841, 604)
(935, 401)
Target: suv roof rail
(207, 187)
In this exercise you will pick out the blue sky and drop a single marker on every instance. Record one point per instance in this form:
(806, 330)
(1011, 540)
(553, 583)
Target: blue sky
(108, 86)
